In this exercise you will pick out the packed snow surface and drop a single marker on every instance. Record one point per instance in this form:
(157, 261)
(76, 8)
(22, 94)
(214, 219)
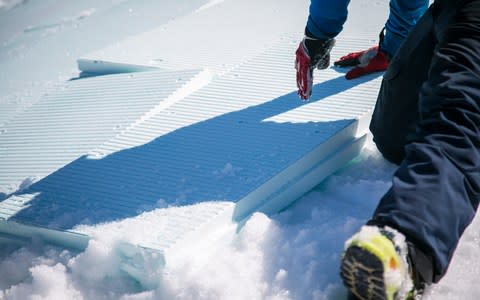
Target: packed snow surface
(294, 254)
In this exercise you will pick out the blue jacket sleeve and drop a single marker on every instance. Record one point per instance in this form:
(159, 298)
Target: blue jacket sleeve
(403, 16)
(327, 17)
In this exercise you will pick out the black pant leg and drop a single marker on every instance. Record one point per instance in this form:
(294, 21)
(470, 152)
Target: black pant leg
(396, 110)
(436, 190)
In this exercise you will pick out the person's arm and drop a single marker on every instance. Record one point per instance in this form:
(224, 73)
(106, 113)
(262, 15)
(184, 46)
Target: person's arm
(326, 18)
(403, 16)
(325, 21)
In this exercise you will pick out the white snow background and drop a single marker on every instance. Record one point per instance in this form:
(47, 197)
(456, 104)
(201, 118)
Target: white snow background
(292, 255)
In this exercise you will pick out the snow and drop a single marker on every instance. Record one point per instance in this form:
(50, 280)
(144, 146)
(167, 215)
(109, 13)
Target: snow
(209, 4)
(290, 255)
(9, 4)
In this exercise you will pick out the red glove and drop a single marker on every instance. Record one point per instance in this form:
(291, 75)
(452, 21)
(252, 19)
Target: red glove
(304, 72)
(364, 62)
(311, 53)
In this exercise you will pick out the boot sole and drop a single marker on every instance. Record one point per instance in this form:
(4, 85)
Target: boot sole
(362, 274)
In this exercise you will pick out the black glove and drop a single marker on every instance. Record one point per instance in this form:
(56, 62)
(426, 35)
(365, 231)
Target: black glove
(319, 51)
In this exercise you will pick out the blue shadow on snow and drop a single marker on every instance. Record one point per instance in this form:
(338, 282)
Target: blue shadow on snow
(223, 158)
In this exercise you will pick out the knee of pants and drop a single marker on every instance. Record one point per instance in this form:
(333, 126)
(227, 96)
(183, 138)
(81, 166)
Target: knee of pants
(391, 149)
(394, 119)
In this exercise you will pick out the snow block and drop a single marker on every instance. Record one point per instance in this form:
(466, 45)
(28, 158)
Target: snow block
(96, 67)
(199, 161)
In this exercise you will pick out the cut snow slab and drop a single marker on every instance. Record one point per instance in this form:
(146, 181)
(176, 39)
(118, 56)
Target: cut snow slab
(195, 163)
(41, 40)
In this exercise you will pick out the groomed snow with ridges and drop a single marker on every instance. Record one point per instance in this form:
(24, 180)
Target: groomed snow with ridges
(290, 255)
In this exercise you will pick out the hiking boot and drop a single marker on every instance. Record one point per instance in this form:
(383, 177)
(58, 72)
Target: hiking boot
(375, 265)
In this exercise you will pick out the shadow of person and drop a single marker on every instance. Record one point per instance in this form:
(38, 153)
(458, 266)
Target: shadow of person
(223, 158)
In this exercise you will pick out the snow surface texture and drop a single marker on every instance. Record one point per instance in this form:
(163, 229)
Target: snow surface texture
(292, 255)
(258, 146)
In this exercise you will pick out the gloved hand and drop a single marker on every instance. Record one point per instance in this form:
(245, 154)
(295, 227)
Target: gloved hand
(311, 53)
(364, 62)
